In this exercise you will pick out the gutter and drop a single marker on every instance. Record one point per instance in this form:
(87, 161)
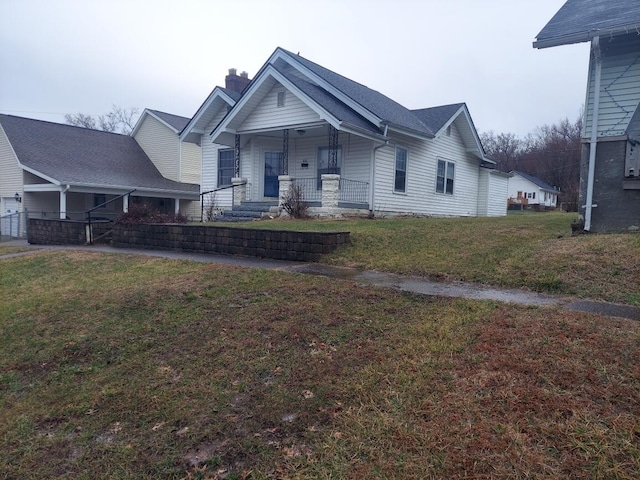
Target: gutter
(593, 145)
(373, 170)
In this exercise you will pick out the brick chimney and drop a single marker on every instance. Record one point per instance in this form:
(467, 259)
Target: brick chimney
(236, 82)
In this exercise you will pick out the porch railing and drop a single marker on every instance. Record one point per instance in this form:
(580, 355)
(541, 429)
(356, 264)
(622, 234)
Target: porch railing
(310, 190)
(354, 191)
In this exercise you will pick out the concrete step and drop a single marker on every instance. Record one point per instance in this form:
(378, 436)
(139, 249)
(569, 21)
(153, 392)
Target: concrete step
(254, 206)
(242, 213)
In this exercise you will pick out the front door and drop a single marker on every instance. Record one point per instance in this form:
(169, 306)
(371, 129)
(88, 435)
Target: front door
(273, 167)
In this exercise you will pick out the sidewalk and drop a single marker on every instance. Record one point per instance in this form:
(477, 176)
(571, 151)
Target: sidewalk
(417, 285)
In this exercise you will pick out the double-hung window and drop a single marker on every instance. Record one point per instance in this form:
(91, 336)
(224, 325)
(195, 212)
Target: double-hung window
(225, 167)
(445, 176)
(400, 183)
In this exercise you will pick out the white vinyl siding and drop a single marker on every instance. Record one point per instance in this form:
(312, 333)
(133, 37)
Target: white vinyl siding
(421, 197)
(529, 189)
(268, 115)
(190, 162)
(161, 146)
(10, 170)
(620, 85)
(492, 194)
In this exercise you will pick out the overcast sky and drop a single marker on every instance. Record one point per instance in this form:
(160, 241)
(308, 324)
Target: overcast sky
(70, 56)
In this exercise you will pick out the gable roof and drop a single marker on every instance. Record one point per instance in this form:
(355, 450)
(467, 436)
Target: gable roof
(69, 155)
(218, 98)
(537, 181)
(437, 117)
(385, 109)
(580, 20)
(174, 121)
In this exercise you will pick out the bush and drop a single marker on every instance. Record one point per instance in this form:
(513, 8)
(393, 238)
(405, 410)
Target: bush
(294, 204)
(145, 213)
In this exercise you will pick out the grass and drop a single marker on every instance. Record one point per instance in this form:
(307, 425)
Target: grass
(8, 249)
(149, 368)
(534, 251)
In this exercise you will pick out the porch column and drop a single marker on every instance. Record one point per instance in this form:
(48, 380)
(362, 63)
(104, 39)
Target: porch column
(285, 153)
(330, 193)
(284, 185)
(125, 203)
(236, 157)
(239, 190)
(63, 204)
(333, 150)
(176, 206)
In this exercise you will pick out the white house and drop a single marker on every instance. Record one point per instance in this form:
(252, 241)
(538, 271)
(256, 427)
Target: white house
(350, 149)
(527, 191)
(610, 167)
(61, 171)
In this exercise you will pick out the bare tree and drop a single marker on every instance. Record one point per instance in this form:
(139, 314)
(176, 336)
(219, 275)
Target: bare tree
(504, 148)
(119, 120)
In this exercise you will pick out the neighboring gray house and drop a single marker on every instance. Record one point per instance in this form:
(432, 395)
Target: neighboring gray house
(350, 149)
(61, 171)
(610, 170)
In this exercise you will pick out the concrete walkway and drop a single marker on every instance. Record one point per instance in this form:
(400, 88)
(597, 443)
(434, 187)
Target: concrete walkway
(389, 280)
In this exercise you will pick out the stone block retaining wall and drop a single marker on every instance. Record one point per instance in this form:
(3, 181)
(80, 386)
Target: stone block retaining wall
(277, 244)
(62, 232)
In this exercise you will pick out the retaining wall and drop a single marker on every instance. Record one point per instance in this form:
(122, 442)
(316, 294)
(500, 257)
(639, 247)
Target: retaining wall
(62, 232)
(277, 244)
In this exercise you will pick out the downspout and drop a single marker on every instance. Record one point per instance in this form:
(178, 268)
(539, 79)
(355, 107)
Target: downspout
(595, 48)
(373, 171)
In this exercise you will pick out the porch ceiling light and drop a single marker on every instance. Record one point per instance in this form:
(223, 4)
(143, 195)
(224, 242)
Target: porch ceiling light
(301, 132)
(18, 197)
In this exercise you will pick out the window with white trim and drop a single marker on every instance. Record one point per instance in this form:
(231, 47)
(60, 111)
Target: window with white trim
(400, 180)
(225, 167)
(445, 177)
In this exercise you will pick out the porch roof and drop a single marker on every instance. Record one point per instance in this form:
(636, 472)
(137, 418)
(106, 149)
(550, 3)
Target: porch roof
(69, 155)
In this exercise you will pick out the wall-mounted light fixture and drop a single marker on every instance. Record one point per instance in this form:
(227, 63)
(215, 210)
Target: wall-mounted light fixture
(18, 197)
(301, 132)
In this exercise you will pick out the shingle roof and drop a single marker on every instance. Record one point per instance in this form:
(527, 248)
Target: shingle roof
(375, 102)
(436, 117)
(537, 181)
(235, 96)
(81, 156)
(323, 98)
(176, 121)
(580, 20)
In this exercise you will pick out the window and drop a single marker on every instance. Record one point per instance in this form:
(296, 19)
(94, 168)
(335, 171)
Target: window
(400, 184)
(534, 195)
(99, 199)
(280, 101)
(519, 194)
(323, 164)
(445, 176)
(225, 167)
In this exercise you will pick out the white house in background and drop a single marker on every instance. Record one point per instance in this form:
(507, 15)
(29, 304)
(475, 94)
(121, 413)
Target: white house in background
(350, 149)
(527, 191)
(61, 171)
(158, 133)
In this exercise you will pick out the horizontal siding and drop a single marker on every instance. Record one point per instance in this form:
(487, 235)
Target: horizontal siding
(41, 204)
(483, 193)
(10, 170)
(497, 196)
(268, 115)
(190, 154)
(620, 86)
(161, 145)
(421, 197)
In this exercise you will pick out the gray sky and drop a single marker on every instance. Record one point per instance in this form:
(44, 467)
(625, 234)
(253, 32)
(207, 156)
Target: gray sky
(70, 56)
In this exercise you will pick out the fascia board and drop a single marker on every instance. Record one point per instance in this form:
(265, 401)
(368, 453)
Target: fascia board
(585, 36)
(257, 82)
(348, 128)
(216, 93)
(351, 103)
(409, 133)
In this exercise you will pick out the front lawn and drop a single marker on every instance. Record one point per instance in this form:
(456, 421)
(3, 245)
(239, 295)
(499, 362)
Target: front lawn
(113, 366)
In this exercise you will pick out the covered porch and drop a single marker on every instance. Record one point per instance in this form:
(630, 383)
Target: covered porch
(332, 169)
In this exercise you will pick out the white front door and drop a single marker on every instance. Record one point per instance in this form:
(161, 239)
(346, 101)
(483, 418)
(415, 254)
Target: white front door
(10, 221)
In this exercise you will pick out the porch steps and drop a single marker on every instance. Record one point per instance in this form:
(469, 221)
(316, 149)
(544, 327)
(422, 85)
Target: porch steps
(246, 212)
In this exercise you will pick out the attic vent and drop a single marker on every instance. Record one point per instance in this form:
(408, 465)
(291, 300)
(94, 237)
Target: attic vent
(280, 99)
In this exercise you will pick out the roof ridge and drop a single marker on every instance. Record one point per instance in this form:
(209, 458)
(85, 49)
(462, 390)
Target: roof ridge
(62, 124)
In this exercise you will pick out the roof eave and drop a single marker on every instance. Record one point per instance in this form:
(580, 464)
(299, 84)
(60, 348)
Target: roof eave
(584, 36)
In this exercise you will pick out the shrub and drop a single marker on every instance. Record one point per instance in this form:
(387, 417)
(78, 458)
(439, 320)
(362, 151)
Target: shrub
(145, 213)
(294, 204)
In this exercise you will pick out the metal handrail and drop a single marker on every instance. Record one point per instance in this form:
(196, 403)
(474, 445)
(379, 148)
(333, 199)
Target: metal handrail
(88, 213)
(226, 187)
